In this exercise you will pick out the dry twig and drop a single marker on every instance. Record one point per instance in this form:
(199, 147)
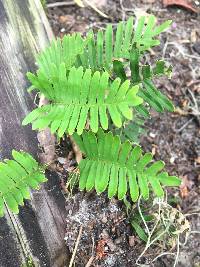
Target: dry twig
(76, 246)
(92, 257)
(57, 4)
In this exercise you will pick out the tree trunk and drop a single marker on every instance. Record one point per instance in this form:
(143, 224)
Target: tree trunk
(38, 231)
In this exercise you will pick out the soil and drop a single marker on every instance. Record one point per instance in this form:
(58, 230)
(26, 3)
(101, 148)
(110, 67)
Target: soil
(107, 235)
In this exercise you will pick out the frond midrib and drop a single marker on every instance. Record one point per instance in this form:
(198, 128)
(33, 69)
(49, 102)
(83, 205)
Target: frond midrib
(89, 104)
(130, 168)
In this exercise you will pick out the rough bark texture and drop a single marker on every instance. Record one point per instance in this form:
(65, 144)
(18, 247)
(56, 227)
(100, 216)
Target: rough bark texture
(38, 231)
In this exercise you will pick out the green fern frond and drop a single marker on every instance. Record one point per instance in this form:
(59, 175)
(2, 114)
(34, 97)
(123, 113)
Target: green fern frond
(16, 177)
(105, 50)
(106, 46)
(119, 167)
(98, 51)
(79, 97)
(61, 51)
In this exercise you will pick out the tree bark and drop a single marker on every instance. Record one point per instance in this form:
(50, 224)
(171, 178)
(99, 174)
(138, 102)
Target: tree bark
(38, 231)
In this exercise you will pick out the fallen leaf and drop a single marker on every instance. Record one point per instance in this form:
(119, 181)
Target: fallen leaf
(109, 242)
(183, 3)
(185, 186)
(100, 249)
(66, 19)
(183, 191)
(180, 112)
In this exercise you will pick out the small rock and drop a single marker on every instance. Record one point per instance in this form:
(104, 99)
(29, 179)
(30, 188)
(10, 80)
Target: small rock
(172, 159)
(131, 240)
(62, 160)
(104, 219)
(63, 30)
(153, 135)
(113, 229)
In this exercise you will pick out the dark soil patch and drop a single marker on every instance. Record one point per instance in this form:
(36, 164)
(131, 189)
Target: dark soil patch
(173, 138)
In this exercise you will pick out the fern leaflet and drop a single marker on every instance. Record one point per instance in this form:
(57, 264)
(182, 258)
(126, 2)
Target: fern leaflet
(16, 177)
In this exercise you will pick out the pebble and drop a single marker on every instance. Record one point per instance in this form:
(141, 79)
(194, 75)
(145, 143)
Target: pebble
(131, 240)
(104, 219)
(153, 135)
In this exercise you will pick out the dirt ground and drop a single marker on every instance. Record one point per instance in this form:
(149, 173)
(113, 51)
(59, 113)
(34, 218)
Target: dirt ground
(173, 138)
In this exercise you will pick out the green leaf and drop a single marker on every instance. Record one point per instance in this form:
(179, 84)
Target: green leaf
(16, 178)
(167, 180)
(82, 97)
(118, 69)
(117, 167)
(134, 66)
(162, 27)
(140, 232)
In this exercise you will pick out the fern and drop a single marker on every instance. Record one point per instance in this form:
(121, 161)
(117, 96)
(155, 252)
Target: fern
(100, 50)
(118, 167)
(109, 50)
(87, 85)
(16, 177)
(81, 96)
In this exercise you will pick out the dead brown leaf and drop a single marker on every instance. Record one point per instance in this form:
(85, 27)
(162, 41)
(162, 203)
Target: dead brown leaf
(185, 186)
(100, 249)
(183, 3)
(69, 19)
(183, 191)
(181, 112)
